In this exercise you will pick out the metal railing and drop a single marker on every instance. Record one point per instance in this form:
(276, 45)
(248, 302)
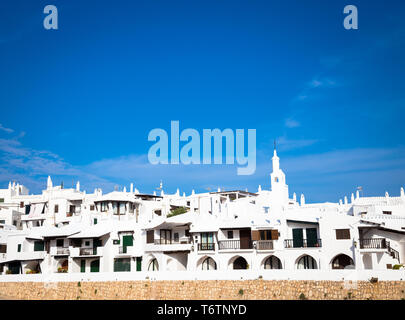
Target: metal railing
(88, 251)
(62, 251)
(264, 244)
(235, 244)
(394, 253)
(374, 243)
(302, 243)
(168, 241)
(206, 246)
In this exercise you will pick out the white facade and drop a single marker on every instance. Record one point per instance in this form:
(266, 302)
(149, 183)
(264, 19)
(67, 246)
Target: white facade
(69, 231)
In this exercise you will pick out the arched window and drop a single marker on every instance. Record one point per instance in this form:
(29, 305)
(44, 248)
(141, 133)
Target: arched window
(272, 263)
(153, 265)
(342, 261)
(307, 262)
(240, 263)
(209, 264)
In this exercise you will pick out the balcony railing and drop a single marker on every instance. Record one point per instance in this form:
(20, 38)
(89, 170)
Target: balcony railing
(206, 246)
(168, 241)
(62, 251)
(264, 245)
(88, 251)
(235, 244)
(376, 243)
(302, 243)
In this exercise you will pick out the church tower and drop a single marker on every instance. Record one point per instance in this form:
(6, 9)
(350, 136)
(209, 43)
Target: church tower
(279, 188)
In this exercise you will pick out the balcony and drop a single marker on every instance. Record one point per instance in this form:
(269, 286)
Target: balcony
(302, 243)
(235, 244)
(86, 252)
(376, 243)
(59, 251)
(206, 247)
(264, 245)
(164, 245)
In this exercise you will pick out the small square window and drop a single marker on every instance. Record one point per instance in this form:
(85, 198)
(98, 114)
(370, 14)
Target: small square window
(230, 234)
(87, 243)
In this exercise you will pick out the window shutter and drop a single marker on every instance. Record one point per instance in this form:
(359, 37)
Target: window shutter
(255, 235)
(342, 234)
(274, 234)
(150, 236)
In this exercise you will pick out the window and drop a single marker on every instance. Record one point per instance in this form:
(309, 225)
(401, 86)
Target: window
(19, 248)
(153, 265)
(3, 221)
(27, 208)
(138, 263)
(209, 264)
(307, 262)
(119, 208)
(87, 243)
(176, 237)
(39, 246)
(342, 234)
(150, 236)
(272, 263)
(92, 207)
(59, 242)
(56, 209)
(230, 234)
(104, 206)
(22, 204)
(121, 265)
(265, 235)
(95, 221)
(1, 200)
(165, 236)
(387, 212)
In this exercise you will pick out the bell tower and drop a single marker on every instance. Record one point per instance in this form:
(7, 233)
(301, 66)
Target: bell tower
(279, 188)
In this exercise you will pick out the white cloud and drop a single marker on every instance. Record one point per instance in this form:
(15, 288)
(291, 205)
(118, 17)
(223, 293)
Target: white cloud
(285, 144)
(8, 130)
(291, 123)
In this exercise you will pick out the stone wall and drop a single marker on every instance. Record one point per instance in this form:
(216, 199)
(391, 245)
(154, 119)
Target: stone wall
(203, 290)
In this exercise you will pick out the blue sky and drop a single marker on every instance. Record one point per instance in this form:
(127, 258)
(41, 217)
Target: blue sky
(78, 102)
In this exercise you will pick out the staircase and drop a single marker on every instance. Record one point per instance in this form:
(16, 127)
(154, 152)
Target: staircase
(392, 252)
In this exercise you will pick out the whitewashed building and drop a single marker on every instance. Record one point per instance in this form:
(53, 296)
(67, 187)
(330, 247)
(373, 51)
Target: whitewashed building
(66, 230)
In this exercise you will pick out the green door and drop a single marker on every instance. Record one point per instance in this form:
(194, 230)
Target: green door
(139, 264)
(95, 266)
(127, 241)
(83, 266)
(298, 241)
(312, 237)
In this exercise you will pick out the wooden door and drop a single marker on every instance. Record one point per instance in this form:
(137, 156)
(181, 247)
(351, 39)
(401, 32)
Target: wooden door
(245, 238)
